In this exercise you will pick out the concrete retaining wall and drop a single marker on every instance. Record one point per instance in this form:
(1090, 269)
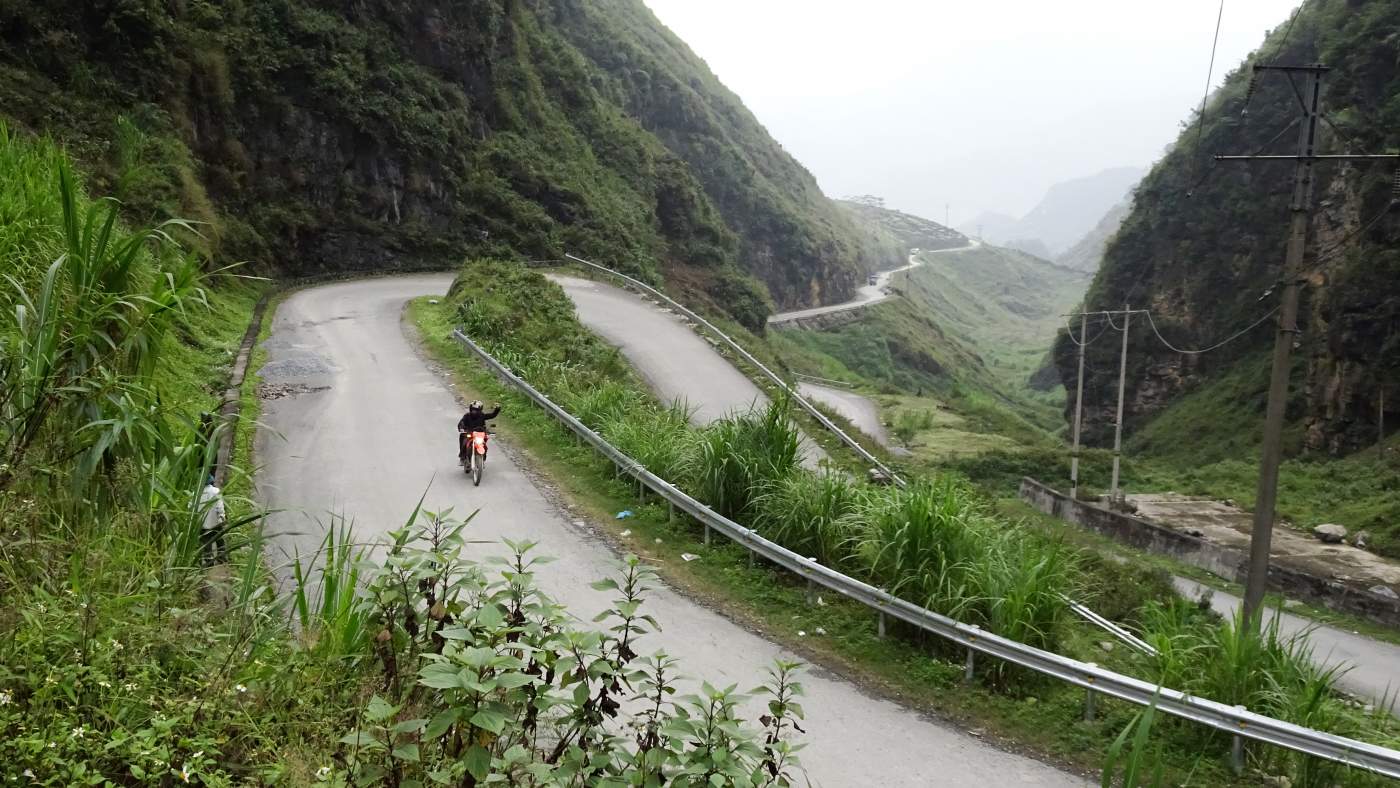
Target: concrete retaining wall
(1227, 562)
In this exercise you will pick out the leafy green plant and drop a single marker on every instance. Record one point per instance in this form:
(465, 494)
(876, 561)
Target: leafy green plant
(508, 688)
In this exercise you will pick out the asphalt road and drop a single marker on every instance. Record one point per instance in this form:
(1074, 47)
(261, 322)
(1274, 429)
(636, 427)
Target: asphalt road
(1373, 666)
(858, 410)
(676, 362)
(867, 295)
(361, 427)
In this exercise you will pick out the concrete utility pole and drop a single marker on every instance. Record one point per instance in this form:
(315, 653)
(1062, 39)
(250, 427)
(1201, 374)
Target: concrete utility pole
(1079, 396)
(1078, 409)
(1301, 209)
(1118, 422)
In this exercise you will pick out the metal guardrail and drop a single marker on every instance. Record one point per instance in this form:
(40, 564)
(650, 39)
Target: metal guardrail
(823, 381)
(1235, 720)
(1080, 610)
(758, 365)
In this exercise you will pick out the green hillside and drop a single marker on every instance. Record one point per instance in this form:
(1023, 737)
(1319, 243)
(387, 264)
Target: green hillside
(329, 135)
(1004, 303)
(1203, 244)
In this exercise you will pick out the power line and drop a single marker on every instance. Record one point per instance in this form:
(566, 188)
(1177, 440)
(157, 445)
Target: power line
(1069, 329)
(1210, 74)
(1217, 345)
(1254, 76)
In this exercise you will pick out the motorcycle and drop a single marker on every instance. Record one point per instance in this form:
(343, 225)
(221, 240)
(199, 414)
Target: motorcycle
(474, 461)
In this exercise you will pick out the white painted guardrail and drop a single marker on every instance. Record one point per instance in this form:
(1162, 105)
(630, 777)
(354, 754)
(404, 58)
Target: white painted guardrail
(1235, 720)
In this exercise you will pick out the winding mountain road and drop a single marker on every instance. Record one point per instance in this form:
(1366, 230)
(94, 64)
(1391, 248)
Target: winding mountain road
(858, 409)
(357, 424)
(869, 294)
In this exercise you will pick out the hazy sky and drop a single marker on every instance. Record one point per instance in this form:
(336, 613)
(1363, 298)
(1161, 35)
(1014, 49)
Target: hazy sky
(980, 104)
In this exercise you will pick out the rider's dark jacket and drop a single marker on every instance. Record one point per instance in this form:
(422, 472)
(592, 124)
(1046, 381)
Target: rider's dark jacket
(476, 422)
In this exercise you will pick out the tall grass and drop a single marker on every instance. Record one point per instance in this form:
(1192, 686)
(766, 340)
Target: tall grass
(658, 438)
(811, 513)
(735, 459)
(81, 332)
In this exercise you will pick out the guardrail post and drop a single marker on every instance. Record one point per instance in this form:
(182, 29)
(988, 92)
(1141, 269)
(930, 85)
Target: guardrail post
(971, 656)
(880, 632)
(1237, 750)
(1089, 700)
(811, 586)
(707, 534)
(670, 512)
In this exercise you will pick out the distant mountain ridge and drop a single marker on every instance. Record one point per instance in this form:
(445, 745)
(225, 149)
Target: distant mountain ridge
(1068, 211)
(1087, 253)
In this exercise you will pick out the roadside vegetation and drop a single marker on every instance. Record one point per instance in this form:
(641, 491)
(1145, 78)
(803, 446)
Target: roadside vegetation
(938, 543)
(126, 660)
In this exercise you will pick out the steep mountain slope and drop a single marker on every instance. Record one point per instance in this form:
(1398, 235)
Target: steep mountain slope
(1204, 258)
(326, 135)
(1068, 211)
(1087, 253)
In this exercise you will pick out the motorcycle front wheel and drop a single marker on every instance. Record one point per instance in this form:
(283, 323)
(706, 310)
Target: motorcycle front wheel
(478, 461)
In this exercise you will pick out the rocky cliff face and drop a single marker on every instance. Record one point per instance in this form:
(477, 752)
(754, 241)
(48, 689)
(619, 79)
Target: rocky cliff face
(1203, 244)
(328, 135)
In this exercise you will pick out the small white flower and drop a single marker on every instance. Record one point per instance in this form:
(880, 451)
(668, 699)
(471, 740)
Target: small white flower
(240, 689)
(105, 684)
(6, 698)
(116, 645)
(52, 745)
(29, 773)
(77, 733)
(129, 687)
(197, 755)
(323, 773)
(185, 773)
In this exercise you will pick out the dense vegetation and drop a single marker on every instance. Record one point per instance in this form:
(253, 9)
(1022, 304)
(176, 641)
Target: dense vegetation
(1203, 244)
(125, 660)
(325, 135)
(938, 543)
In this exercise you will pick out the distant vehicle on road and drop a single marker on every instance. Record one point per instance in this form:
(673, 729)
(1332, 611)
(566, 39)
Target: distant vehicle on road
(872, 280)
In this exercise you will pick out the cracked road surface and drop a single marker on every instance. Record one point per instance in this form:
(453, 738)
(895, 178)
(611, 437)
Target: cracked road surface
(382, 432)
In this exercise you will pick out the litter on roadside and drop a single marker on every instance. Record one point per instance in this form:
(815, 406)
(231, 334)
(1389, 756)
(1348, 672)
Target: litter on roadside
(689, 556)
(624, 514)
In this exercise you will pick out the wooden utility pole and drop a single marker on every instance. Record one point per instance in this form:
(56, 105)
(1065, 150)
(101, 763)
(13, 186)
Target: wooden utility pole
(1300, 207)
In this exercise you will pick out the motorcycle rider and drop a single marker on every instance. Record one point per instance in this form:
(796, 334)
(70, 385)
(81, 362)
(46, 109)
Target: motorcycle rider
(474, 420)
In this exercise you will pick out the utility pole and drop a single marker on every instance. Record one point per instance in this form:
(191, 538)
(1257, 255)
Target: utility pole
(1300, 207)
(1078, 408)
(1118, 422)
(947, 209)
(1079, 396)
